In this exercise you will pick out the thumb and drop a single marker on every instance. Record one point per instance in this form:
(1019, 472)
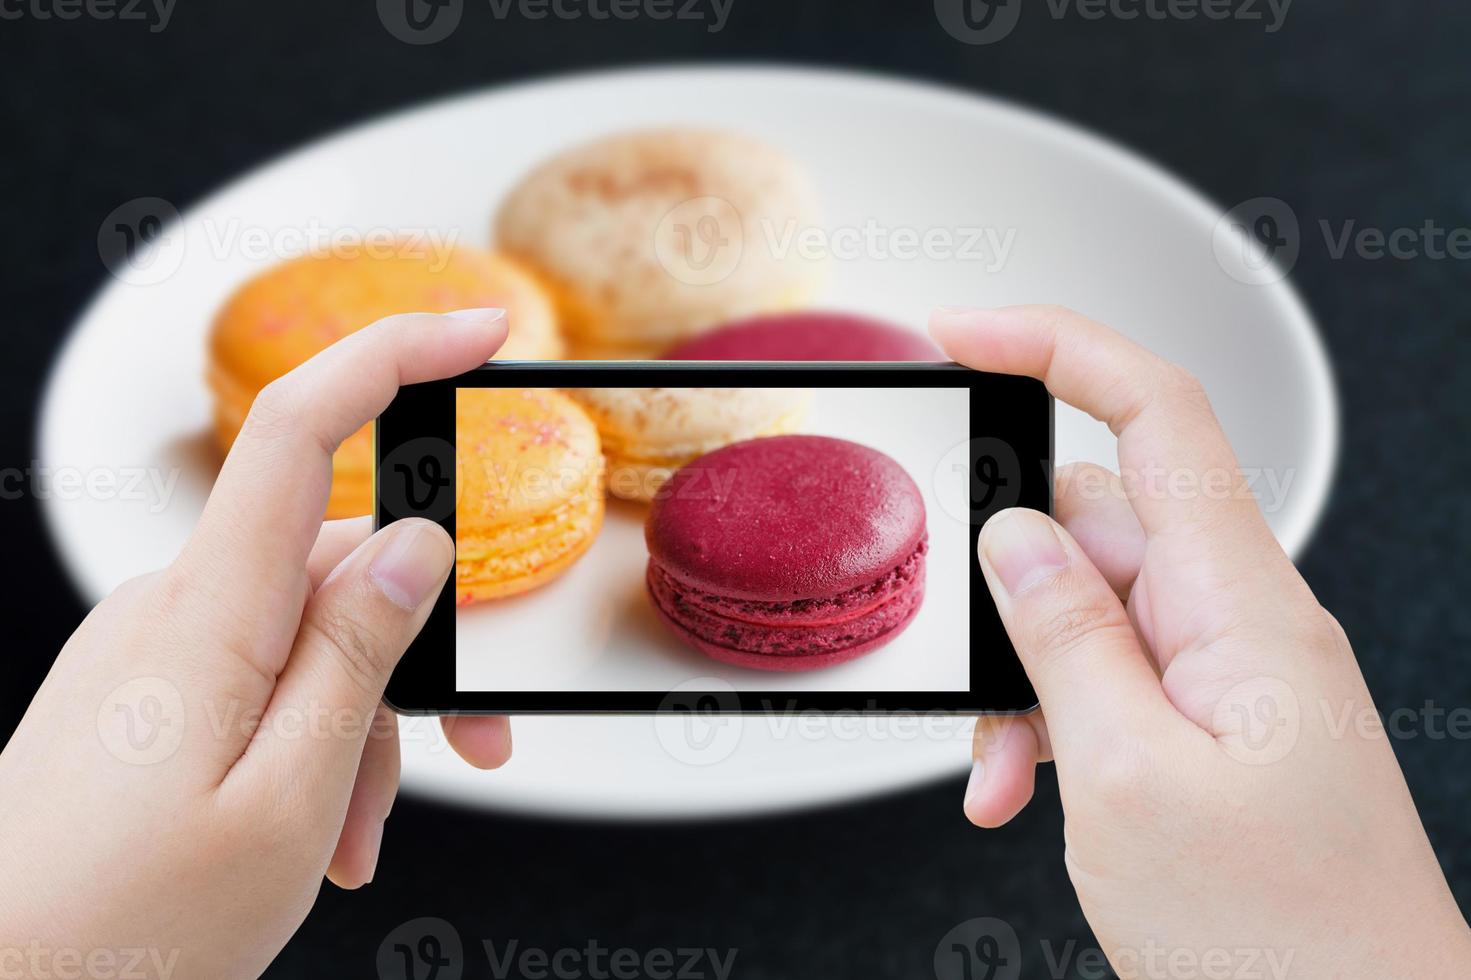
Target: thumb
(1070, 630)
(353, 632)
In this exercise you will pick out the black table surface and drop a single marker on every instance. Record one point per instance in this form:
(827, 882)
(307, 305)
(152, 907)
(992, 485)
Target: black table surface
(1352, 110)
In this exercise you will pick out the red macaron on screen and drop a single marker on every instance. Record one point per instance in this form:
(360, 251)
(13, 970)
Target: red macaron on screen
(807, 536)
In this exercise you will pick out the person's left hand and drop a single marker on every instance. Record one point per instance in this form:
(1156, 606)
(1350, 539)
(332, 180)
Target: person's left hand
(211, 742)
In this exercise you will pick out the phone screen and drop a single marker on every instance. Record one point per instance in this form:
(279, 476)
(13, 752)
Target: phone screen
(803, 539)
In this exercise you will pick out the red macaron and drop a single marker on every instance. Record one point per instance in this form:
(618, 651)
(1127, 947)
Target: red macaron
(808, 336)
(788, 552)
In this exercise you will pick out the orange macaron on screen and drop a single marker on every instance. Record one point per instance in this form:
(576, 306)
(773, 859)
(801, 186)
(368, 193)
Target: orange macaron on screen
(641, 536)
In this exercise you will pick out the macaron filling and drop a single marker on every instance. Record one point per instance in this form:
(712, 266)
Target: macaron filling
(790, 635)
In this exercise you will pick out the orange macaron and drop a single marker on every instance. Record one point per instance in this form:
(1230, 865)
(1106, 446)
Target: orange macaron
(290, 312)
(529, 489)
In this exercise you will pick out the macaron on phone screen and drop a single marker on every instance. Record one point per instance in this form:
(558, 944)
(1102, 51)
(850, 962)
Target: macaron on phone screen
(646, 536)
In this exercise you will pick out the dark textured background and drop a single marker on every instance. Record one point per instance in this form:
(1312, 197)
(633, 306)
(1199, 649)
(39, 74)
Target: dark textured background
(1353, 110)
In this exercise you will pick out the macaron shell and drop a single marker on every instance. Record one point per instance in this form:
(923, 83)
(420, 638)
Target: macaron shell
(786, 518)
(283, 317)
(808, 336)
(605, 225)
(294, 310)
(648, 433)
(528, 470)
(589, 338)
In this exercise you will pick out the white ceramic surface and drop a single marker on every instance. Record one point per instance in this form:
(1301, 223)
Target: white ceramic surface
(1029, 208)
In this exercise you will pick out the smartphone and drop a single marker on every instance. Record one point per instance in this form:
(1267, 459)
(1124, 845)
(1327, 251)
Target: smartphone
(637, 536)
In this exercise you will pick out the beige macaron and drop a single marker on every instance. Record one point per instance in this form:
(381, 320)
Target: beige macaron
(648, 433)
(647, 238)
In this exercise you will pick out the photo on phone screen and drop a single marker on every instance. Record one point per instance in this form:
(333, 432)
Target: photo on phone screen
(600, 626)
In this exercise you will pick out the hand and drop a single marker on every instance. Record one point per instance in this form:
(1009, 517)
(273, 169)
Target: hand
(210, 741)
(1193, 691)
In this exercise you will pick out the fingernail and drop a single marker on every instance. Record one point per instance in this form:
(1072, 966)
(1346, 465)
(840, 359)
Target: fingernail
(1022, 548)
(485, 314)
(411, 566)
(973, 785)
(375, 847)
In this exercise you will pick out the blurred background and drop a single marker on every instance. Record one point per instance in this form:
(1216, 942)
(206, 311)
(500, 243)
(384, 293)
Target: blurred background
(1353, 114)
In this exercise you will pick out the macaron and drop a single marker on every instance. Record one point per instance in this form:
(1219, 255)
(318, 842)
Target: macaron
(285, 315)
(808, 336)
(789, 553)
(649, 237)
(648, 433)
(529, 500)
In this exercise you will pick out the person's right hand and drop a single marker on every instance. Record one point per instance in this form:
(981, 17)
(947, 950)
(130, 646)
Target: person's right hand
(1229, 795)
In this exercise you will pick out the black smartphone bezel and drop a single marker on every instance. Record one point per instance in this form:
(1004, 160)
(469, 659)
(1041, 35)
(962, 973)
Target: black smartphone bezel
(421, 422)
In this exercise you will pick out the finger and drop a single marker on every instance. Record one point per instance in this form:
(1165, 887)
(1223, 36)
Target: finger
(1006, 749)
(265, 511)
(353, 632)
(356, 857)
(1089, 501)
(1071, 632)
(482, 741)
(1168, 433)
(1090, 504)
(1219, 559)
(335, 541)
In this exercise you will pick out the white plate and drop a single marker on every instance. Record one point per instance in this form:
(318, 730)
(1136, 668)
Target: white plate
(1094, 227)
